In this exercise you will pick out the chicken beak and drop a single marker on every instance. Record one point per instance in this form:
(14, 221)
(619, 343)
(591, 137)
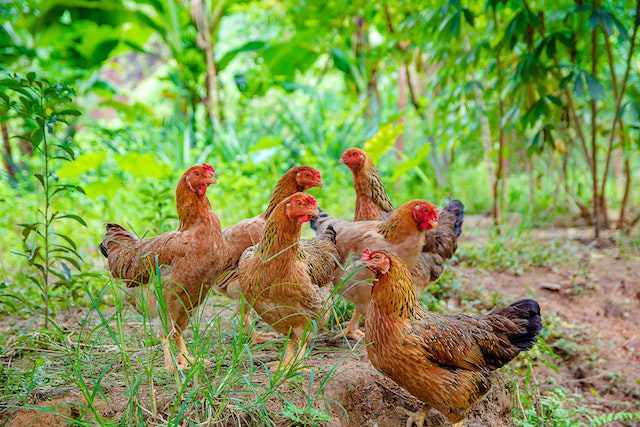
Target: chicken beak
(212, 180)
(433, 223)
(341, 161)
(314, 213)
(319, 184)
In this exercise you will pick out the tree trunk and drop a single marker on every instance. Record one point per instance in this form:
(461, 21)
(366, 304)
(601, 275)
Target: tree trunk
(9, 164)
(594, 123)
(485, 132)
(532, 185)
(206, 41)
(402, 104)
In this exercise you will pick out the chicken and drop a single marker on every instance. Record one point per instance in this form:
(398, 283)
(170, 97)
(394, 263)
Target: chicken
(403, 232)
(287, 281)
(189, 259)
(445, 361)
(373, 203)
(247, 232)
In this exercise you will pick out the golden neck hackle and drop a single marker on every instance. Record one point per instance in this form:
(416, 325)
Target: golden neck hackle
(394, 294)
(400, 224)
(286, 186)
(280, 237)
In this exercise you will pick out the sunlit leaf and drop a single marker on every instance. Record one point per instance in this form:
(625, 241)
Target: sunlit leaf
(383, 140)
(84, 163)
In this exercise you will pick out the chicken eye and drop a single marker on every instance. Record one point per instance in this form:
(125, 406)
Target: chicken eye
(196, 173)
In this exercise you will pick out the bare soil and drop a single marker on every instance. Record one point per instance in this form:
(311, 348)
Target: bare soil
(595, 297)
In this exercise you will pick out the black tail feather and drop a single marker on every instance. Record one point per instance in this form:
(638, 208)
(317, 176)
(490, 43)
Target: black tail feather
(314, 221)
(529, 310)
(330, 232)
(456, 208)
(104, 251)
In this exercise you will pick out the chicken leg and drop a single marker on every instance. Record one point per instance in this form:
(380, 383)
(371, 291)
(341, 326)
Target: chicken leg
(257, 337)
(418, 418)
(353, 327)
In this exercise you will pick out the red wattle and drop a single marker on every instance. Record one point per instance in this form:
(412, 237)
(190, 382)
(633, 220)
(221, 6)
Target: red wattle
(304, 218)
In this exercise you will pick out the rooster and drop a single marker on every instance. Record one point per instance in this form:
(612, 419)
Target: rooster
(189, 259)
(445, 361)
(402, 232)
(287, 281)
(373, 203)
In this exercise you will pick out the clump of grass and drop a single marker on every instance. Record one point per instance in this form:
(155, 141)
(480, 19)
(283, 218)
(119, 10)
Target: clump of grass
(513, 252)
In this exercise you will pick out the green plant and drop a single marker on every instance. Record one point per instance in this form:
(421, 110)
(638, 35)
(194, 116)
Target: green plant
(43, 106)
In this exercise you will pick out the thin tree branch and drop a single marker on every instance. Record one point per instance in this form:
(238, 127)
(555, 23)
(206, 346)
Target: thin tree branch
(618, 93)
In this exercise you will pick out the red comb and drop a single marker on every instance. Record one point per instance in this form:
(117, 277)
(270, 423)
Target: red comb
(366, 252)
(208, 168)
(312, 200)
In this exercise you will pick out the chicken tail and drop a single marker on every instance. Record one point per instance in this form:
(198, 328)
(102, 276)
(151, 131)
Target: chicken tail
(328, 233)
(443, 240)
(118, 246)
(316, 221)
(526, 315)
(322, 222)
(103, 250)
(455, 211)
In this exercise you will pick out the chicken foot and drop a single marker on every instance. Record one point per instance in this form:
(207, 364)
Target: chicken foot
(353, 330)
(183, 360)
(257, 337)
(293, 353)
(418, 418)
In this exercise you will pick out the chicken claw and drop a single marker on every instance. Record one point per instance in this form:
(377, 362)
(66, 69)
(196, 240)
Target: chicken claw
(262, 337)
(418, 418)
(355, 334)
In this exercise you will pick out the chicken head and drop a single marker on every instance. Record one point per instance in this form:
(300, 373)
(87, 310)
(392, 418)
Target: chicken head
(353, 158)
(301, 207)
(198, 178)
(377, 261)
(308, 177)
(426, 216)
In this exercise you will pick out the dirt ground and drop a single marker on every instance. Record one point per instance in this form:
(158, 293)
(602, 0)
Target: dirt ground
(595, 297)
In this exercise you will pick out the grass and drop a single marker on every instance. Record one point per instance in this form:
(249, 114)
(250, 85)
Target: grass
(110, 357)
(102, 364)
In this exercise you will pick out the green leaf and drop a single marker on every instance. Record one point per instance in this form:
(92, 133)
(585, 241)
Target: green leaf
(593, 86)
(88, 162)
(266, 142)
(69, 112)
(142, 165)
(73, 217)
(468, 16)
(251, 46)
(412, 163)
(383, 140)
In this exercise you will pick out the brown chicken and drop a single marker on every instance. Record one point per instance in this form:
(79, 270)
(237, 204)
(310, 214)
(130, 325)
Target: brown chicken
(287, 281)
(247, 232)
(373, 203)
(189, 259)
(403, 233)
(445, 361)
